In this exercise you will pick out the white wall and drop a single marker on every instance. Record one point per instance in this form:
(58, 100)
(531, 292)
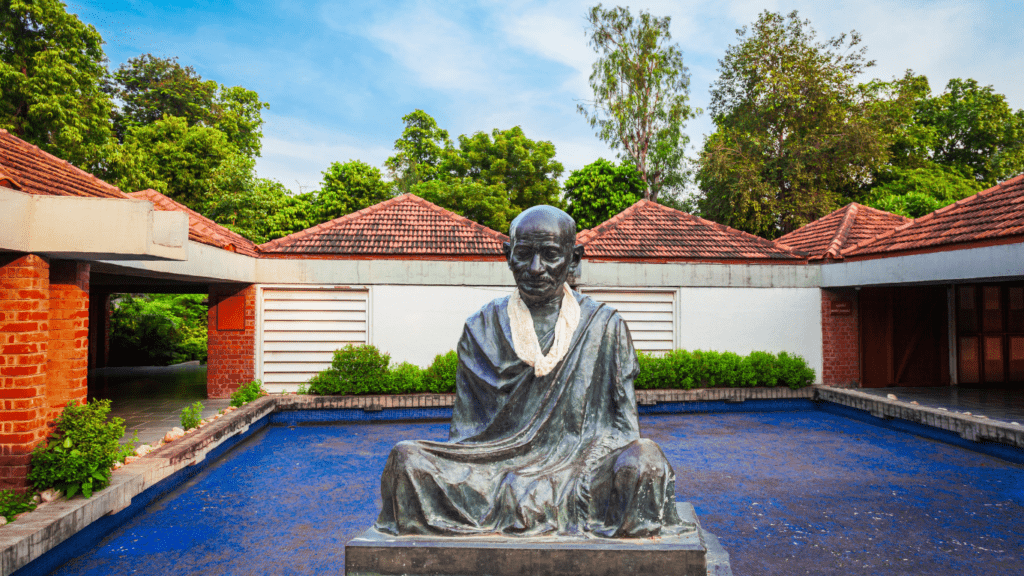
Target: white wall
(415, 323)
(742, 320)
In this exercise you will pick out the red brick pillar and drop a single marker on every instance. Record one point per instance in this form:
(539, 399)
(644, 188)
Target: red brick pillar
(68, 352)
(840, 338)
(231, 344)
(24, 327)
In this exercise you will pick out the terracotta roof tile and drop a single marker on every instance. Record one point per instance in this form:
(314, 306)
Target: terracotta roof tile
(38, 172)
(991, 215)
(200, 228)
(405, 225)
(829, 236)
(648, 230)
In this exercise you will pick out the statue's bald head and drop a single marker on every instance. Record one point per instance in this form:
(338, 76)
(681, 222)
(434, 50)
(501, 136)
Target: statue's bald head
(546, 217)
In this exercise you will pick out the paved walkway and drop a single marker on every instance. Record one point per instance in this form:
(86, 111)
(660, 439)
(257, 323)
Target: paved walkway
(999, 404)
(150, 398)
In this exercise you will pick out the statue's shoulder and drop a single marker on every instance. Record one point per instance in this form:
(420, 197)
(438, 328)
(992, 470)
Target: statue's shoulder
(489, 311)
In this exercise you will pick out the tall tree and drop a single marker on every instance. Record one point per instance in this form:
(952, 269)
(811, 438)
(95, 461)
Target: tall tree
(51, 67)
(794, 132)
(601, 190)
(192, 164)
(485, 204)
(641, 95)
(262, 211)
(419, 151)
(526, 168)
(150, 88)
(348, 187)
(976, 131)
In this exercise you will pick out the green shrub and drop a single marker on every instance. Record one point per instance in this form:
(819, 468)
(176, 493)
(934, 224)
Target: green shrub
(440, 376)
(12, 504)
(246, 393)
(79, 453)
(765, 367)
(354, 369)
(405, 378)
(191, 415)
(794, 371)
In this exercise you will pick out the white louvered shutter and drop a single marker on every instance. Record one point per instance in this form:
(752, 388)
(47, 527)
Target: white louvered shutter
(649, 315)
(302, 328)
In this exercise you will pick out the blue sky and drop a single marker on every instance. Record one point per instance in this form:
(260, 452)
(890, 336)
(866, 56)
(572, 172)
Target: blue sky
(339, 76)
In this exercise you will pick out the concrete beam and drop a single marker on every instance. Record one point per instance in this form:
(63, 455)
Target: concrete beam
(1002, 262)
(77, 228)
(650, 275)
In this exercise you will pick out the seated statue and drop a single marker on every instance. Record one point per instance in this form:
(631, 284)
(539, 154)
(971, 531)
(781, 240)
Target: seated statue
(544, 436)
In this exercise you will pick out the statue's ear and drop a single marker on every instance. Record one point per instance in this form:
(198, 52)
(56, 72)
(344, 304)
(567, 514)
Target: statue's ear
(506, 248)
(577, 255)
(575, 266)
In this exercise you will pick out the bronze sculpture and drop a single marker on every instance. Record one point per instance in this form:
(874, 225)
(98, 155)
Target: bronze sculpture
(544, 436)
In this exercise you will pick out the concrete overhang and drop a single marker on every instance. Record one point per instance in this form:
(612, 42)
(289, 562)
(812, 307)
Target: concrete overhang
(1001, 262)
(78, 228)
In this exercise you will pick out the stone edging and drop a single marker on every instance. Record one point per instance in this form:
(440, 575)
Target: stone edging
(968, 427)
(52, 523)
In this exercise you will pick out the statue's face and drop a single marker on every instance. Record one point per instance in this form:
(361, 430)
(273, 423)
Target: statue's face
(541, 254)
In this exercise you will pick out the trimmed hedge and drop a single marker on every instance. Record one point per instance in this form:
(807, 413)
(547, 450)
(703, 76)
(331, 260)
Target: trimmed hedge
(709, 369)
(366, 370)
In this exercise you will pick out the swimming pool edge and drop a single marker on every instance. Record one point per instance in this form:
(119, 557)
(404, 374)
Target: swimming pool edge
(53, 524)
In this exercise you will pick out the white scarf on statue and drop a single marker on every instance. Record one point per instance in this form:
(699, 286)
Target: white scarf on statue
(524, 337)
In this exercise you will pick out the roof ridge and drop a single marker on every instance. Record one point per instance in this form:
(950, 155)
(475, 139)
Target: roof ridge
(88, 175)
(835, 247)
(611, 223)
(295, 237)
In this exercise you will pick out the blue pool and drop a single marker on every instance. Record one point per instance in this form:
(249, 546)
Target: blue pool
(803, 491)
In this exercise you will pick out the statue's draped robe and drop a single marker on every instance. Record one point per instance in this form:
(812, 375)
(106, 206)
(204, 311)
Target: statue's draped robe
(532, 455)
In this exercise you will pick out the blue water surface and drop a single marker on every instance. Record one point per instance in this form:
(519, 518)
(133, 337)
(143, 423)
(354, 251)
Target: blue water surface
(797, 492)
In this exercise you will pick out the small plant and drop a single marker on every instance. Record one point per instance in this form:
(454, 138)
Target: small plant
(440, 376)
(794, 371)
(303, 388)
(354, 370)
(80, 451)
(191, 415)
(765, 367)
(12, 504)
(247, 393)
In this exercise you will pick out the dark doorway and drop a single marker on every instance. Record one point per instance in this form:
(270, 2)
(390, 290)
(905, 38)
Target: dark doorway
(904, 336)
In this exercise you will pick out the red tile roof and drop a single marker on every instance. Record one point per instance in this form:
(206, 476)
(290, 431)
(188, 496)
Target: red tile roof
(650, 231)
(200, 228)
(39, 172)
(848, 226)
(995, 215)
(403, 226)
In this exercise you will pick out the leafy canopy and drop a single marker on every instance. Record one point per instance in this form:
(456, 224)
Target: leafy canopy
(420, 150)
(641, 94)
(347, 188)
(601, 190)
(794, 131)
(51, 67)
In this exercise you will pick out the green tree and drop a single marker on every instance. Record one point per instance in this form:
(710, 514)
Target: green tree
(794, 131)
(485, 204)
(150, 88)
(601, 190)
(420, 150)
(641, 94)
(347, 188)
(262, 211)
(914, 192)
(51, 67)
(527, 169)
(976, 131)
(192, 164)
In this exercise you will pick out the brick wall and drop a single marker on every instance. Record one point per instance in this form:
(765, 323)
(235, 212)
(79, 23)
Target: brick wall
(232, 339)
(24, 332)
(68, 351)
(840, 338)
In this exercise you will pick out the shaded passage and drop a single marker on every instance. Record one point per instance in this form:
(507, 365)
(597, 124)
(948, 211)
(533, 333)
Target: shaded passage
(787, 493)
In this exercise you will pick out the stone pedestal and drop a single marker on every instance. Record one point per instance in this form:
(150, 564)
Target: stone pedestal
(693, 554)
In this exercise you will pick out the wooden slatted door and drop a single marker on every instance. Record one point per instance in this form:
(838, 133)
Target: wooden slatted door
(302, 328)
(650, 316)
